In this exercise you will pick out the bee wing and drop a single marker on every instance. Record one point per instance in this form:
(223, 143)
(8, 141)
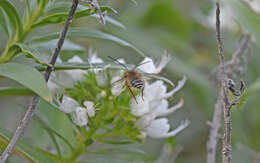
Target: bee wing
(117, 81)
(158, 77)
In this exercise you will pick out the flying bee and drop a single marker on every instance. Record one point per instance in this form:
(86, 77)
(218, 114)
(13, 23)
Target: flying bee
(135, 79)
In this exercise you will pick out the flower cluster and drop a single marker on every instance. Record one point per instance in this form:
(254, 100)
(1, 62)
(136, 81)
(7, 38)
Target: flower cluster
(148, 116)
(155, 105)
(79, 114)
(155, 102)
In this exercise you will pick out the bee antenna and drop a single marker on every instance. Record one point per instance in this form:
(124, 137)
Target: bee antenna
(116, 61)
(141, 64)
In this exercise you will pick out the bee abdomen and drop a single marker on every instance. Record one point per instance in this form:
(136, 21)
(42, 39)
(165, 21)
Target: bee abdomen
(137, 83)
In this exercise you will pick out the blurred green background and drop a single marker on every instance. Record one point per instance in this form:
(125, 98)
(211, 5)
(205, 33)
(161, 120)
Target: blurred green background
(186, 30)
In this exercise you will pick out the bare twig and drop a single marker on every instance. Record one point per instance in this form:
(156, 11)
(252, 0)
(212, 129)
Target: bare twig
(226, 146)
(30, 112)
(214, 129)
(225, 70)
(95, 5)
(231, 67)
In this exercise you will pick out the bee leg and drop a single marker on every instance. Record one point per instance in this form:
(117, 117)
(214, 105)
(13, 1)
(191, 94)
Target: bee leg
(142, 91)
(126, 83)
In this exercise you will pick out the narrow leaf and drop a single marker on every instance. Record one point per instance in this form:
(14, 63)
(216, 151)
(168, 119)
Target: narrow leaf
(61, 17)
(4, 23)
(28, 77)
(36, 54)
(23, 149)
(13, 16)
(88, 33)
(57, 121)
(9, 91)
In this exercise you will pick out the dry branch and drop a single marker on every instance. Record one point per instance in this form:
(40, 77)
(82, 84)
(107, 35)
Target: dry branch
(224, 70)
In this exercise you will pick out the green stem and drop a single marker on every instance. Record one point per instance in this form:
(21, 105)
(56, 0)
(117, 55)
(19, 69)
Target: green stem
(31, 19)
(81, 145)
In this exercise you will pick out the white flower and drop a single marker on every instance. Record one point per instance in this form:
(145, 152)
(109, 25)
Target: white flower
(177, 88)
(68, 105)
(163, 109)
(155, 102)
(79, 114)
(90, 108)
(76, 74)
(159, 128)
(66, 78)
(93, 57)
(155, 105)
(79, 117)
(150, 67)
(141, 108)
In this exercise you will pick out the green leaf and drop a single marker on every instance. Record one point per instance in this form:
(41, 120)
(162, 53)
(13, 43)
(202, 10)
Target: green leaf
(43, 3)
(9, 91)
(56, 121)
(28, 77)
(246, 17)
(61, 7)
(61, 17)
(4, 23)
(88, 33)
(34, 53)
(25, 150)
(13, 16)
(253, 88)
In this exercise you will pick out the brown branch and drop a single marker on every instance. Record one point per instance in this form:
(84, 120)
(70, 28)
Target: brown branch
(226, 142)
(32, 107)
(226, 70)
(231, 68)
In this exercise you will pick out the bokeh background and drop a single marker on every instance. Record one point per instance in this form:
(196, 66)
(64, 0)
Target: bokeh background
(186, 30)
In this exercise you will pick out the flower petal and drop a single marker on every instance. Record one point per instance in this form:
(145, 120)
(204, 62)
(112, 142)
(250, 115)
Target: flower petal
(144, 121)
(90, 108)
(177, 88)
(93, 57)
(164, 61)
(80, 117)
(156, 90)
(148, 67)
(158, 128)
(181, 127)
(75, 59)
(141, 108)
(167, 111)
(68, 104)
(75, 74)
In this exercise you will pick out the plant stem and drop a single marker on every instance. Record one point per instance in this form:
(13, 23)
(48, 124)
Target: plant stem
(30, 112)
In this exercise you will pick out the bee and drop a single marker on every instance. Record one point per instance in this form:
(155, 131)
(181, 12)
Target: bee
(134, 79)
